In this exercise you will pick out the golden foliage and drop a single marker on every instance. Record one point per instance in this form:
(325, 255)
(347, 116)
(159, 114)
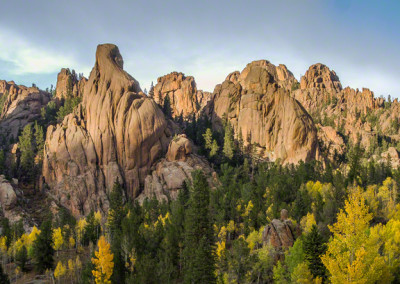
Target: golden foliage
(60, 270)
(103, 262)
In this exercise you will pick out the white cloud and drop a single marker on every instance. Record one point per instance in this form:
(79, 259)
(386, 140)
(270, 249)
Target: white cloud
(27, 58)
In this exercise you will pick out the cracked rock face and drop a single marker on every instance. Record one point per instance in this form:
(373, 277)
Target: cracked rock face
(117, 132)
(280, 234)
(22, 106)
(170, 173)
(258, 105)
(184, 98)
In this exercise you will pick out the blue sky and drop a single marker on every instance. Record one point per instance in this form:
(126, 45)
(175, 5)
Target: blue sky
(360, 40)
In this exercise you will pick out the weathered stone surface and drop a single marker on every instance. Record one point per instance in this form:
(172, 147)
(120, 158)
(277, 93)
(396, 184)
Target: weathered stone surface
(184, 98)
(169, 174)
(320, 76)
(257, 104)
(8, 198)
(393, 156)
(280, 235)
(117, 132)
(22, 106)
(68, 84)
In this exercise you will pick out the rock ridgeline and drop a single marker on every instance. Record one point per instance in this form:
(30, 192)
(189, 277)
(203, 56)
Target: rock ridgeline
(349, 112)
(184, 98)
(21, 106)
(119, 133)
(116, 133)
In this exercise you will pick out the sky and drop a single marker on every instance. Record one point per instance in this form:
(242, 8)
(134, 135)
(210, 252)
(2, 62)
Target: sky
(360, 40)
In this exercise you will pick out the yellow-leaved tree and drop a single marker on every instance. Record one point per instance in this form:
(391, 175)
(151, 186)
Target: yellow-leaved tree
(59, 271)
(353, 255)
(58, 239)
(103, 262)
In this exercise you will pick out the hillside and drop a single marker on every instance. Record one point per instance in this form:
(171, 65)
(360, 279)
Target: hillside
(266, 179)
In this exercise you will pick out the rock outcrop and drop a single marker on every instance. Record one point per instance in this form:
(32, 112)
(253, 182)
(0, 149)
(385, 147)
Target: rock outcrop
(170, 173)
(8, 198)
(256, 102)
(117, 132)
(21, 106)
(356, 115)
(69, 85)
(280, 234)
(183, 97)
(321, 77)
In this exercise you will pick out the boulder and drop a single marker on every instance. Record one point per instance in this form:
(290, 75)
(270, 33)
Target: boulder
(170, 173)
(8, 197)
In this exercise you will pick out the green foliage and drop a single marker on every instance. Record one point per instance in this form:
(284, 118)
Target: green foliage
(43, 248)
(295, 86)
(116, 215)
(27, 151)
(199, 260)
(68, 107)
(22, 257)
(166, 108)
(3, 99)
(228, 149)
(3, 277)
(314, 247)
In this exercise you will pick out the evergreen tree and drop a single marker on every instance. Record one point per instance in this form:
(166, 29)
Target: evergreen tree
(214, 148)
(2, 161)
(116, 215)
(43, 248)
(199, 260)
(27, 151)
(228, 142)
(22, 257)
(314, 247)
(208, 139)
(167, 107)
(39, 140)
(3, 277)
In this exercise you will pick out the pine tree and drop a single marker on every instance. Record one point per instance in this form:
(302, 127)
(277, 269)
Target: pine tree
(199, 259)
(214, 148)
(228, 142)
(314, 247)
(3, 277)
(39, 140)
(43, 248)
(116, 215)
(167, 107)
(27, 151)
(103, 262)
(208, 139)
(22, 257)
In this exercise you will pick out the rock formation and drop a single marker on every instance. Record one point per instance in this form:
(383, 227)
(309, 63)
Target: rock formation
(321, 77)
(8, 198)
(280, 234)
(117, 132)
(68, 84)
(256, 102)
(184, 98)
(21, 106)
(170, 173)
